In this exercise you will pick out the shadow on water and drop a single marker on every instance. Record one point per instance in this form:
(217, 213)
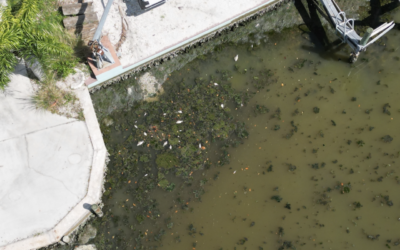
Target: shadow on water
(316, 32)
(318, 36)
(377, 10)
(311, 20)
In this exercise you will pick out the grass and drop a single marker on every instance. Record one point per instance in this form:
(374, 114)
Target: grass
(32, 29)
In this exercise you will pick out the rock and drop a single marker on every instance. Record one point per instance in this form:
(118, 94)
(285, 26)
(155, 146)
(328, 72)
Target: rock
(86, 247)
(66, 239)
(89, 232)
(108, 121)
(33, 64)
(149, 85)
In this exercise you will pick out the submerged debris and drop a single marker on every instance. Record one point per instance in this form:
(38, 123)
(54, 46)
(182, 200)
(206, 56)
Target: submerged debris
(387, 138)
(385, 109)
(276, 198)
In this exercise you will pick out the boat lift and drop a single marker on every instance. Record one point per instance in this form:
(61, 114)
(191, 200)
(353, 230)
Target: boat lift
(345, 29)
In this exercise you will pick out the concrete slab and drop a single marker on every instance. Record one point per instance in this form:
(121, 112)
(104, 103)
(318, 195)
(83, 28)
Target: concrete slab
(17, 99)
(50, 167)
(169, 24)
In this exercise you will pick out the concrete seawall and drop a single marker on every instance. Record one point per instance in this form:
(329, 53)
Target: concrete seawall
(227, 15)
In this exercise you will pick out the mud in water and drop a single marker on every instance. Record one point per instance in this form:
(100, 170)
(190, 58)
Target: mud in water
(315, 166)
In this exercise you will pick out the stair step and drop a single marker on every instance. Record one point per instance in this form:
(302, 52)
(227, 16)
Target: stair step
(76, 21)
(77, 8)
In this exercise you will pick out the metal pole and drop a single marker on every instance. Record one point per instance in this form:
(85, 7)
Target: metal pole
(97, 35)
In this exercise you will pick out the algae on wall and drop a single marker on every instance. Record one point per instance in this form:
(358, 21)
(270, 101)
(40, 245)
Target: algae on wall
(254, 30)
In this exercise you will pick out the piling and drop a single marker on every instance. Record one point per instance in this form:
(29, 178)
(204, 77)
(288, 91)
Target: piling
(366, 37)
(97, 210)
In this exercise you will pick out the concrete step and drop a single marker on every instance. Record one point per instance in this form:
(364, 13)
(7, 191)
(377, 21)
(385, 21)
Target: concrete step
(82, 20)
(77, 8)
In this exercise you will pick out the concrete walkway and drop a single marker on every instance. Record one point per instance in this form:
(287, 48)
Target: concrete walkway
(166, 28)
(50, 166)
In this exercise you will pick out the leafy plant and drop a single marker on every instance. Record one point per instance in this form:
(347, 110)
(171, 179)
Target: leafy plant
(32, 29)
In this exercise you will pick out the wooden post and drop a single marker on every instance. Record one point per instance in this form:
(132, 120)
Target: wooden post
(366, 36)
(97, 210)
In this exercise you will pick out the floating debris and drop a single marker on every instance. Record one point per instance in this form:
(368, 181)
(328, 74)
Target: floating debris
(140, 143)
(179, 122)
(236, 58)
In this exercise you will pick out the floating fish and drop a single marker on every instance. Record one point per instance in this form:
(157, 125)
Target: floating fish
(179, 122)
(145, 113)
(236, 58)
(179, 111)
(146, 175)
(165, 143)
(145, 134)
(222, 105)
(234, 172)
(135, 126)
(215, 84)
(140, 143)
(165, 114)
(199, 145)
(170, 146)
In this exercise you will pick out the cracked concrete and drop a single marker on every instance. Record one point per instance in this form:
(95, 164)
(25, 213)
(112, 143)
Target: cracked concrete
(50, 166)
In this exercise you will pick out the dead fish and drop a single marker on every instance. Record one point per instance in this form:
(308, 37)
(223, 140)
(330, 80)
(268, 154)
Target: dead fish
(215, 84)
(170, 146)
(145, 175)
(179, 122)
(145, 134)
(145, 113)
(140, 143)
(165, 143)
(135, 126)
(165, 114)
(222, 105)
(234, 172)
(179, 111)
(236, 58)
(199, 145)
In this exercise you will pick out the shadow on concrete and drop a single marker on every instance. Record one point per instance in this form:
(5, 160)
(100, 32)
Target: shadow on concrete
(133, 8)
(87, 206)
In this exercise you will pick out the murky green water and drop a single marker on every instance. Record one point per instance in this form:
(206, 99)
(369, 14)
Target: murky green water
(319, 169)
